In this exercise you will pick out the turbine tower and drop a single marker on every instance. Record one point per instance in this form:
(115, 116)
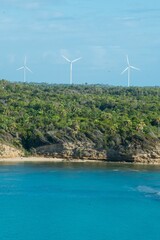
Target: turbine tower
(25, 68)
(129, 67)
(71, 66)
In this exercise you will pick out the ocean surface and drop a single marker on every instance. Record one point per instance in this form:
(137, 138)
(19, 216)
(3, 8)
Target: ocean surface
(79, 201)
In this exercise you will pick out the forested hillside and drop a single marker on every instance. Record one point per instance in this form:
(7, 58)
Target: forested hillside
(34, 115)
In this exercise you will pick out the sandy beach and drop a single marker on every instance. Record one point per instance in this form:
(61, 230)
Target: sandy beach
(43, 159)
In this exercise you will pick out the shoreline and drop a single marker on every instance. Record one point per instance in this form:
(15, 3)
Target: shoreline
(40, 159)
(45, 159)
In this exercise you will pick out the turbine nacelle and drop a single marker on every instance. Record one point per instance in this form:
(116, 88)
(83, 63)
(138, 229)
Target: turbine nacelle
(75, 60)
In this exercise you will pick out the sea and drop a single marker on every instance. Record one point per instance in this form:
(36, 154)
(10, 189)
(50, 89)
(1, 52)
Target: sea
(79, 201)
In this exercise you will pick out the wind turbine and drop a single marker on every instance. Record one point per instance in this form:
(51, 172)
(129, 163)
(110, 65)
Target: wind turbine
(71, 66)
(129, 67)
(25, 68)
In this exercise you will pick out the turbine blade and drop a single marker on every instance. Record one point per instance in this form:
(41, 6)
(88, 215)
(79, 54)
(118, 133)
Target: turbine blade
(20, 68)
(124, 70)
(127, 60)
(28, 69)
(75, 60)
(66, 59)
(135, 68)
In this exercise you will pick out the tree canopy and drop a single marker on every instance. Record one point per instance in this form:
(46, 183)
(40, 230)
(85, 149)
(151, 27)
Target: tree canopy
(104, 115)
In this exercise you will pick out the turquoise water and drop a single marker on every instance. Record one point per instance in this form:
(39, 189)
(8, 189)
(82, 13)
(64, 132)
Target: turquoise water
(79, 201)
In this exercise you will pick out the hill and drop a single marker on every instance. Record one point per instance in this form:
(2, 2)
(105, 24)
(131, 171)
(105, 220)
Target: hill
(75, 121)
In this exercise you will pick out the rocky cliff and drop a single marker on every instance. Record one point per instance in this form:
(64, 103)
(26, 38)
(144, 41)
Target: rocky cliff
(139, 150)
(136, 153)
(7, 151)
(69, 150)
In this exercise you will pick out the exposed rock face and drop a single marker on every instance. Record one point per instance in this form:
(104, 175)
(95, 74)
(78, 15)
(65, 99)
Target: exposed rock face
(149, 156)
(136, 153)
(78, 150)
(87, 150)
(7, 151)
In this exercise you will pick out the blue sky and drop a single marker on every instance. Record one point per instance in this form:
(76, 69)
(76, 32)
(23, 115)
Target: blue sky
(101, 32)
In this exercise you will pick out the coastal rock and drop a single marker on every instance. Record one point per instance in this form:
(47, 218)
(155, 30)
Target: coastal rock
(148, 152)
(87, 150)
(7, 151)
(149, 156)
(68, 150)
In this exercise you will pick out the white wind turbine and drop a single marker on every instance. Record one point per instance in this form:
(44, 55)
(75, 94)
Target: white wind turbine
(71, 64)
(25, 68)
(129, 70)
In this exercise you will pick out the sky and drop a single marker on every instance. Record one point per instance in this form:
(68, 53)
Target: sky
(101, 32)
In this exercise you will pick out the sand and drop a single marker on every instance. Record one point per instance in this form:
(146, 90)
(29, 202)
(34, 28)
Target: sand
(43, 159)
(54, 160)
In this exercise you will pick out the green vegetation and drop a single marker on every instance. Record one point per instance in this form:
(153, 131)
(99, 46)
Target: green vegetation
(32, 115)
